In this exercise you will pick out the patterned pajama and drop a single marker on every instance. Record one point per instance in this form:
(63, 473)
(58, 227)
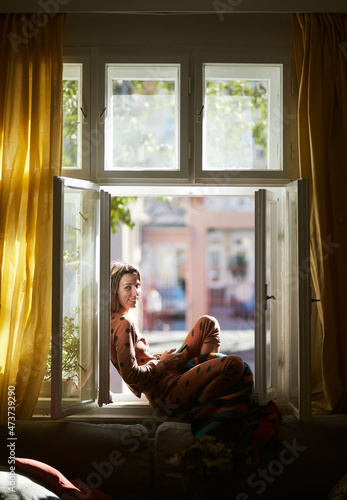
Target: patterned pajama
(179, 390)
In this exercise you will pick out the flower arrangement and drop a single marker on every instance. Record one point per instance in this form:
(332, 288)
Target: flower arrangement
(204, 457)
(208, 461)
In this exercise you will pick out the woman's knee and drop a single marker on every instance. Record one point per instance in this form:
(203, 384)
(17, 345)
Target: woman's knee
(235, 365)
(209, 321)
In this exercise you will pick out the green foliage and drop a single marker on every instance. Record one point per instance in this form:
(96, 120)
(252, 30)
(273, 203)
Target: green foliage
(143, 124)
(236, 109)
(70, 122)
(120, 212)
(258, 95)
(134, 136)
(144, 87)
(71, 348)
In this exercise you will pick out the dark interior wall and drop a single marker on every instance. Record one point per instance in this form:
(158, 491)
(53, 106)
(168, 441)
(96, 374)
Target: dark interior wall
(254, 31)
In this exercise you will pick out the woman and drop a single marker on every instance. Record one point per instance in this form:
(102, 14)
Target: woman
(164, 379)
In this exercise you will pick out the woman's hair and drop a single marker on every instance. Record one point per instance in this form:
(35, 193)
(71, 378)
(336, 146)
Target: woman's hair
(118, 269)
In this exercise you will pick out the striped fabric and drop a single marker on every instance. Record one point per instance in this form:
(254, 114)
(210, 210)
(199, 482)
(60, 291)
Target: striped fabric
(236, 416)
(206, 417)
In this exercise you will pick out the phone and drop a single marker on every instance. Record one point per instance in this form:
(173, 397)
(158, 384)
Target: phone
(183, 346)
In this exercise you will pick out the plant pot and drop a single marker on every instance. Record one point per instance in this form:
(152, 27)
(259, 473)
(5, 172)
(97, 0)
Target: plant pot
(45, 391)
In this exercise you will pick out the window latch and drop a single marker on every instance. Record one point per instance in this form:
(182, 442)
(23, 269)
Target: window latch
(199, 114)
(84, 114)
(102, 116)
(270, 297)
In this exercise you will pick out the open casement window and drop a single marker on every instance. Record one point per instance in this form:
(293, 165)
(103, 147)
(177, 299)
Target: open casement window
(297, 374)
(80, 307)
(282, 298)
(266, 288)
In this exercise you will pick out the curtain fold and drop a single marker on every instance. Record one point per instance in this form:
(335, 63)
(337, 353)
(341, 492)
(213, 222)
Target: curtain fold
(321, 60)
(30, 155)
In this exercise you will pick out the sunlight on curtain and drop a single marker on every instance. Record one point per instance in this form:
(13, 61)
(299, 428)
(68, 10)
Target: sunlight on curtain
(30, 155)
(321, 56)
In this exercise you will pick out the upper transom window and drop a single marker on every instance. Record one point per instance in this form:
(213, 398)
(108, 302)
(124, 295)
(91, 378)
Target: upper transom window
(240, 105)
(142, 124)
(177, 119)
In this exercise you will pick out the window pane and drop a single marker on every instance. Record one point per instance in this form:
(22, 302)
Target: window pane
(142, 124)
(78, 298)
(72, 127)
(293, 343)
(269, 290)
(239, 103)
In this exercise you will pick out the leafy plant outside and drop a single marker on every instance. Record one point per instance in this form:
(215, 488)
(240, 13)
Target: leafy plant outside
(120, 212)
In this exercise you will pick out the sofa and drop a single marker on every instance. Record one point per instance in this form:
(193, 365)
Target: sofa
(304, 461)
(122, 461)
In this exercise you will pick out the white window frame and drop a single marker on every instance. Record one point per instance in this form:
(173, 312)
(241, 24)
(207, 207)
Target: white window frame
(127, 176)
(210, 183)
(82, 57)
(101, 293)
(241, 57)
(278, 390)
(268, 303)
(191, 94)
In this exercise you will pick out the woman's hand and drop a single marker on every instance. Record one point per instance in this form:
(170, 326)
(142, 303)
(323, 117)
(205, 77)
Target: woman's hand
(171, 360)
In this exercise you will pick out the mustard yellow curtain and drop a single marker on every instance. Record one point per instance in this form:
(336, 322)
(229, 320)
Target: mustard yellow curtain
(321, 58)
(30, 155)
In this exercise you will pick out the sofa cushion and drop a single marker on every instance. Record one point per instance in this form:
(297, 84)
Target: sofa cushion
(54, 480)
(23, 488)
(104, 456)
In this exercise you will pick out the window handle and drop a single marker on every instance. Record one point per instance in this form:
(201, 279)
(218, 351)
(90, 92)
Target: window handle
(270, 297)
(199, 114)
(85, 114)
(102, 115)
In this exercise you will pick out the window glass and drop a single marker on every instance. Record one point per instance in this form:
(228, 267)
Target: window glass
(240, 129)
(179, 245)
(78, 308)
(72, 126)
(142, 117)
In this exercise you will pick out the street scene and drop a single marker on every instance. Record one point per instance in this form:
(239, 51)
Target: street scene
(196, 257)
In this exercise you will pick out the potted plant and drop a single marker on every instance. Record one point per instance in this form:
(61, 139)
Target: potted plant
(70, 360)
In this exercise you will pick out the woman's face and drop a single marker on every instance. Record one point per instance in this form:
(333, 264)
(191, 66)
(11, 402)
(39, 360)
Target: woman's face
(129, 291)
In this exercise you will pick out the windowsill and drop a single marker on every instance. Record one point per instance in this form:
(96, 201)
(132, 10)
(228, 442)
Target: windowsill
(127, 409)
